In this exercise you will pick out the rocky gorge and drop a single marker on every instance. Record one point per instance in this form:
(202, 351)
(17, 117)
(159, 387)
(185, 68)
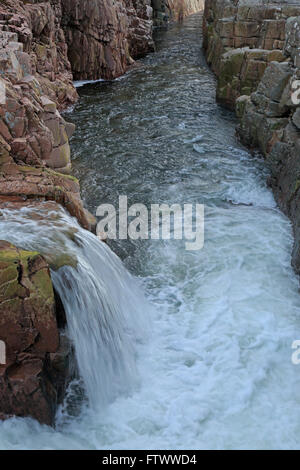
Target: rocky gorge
(44, 46)
(253, 48)
(141, 343)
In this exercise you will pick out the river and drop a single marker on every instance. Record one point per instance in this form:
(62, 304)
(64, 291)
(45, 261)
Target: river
(213, 353)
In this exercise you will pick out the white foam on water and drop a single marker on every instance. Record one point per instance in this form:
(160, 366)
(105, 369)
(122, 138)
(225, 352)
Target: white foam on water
(80, 83)
(216, 371)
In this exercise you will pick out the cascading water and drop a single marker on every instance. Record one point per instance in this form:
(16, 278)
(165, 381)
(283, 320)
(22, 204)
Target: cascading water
(106, 313)
(216, 371)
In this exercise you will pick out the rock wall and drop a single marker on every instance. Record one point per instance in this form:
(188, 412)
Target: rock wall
(36, 82)
(241, 38)
(104, 36)
(270, 121)
(168, 10)
(254, 48)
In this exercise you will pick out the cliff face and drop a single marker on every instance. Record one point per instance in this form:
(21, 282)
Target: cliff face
(37, 77)
(168, 10)
(35, 83)
(44, 45)
(256, 60)
(270, 121)
(104, 37)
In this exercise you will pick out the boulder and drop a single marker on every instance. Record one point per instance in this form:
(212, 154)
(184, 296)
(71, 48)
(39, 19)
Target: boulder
(32, 381)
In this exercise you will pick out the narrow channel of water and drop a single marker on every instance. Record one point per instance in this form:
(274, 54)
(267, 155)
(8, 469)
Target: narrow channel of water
(215, 371)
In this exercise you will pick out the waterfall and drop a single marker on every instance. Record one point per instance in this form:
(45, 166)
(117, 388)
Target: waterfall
(106, 311)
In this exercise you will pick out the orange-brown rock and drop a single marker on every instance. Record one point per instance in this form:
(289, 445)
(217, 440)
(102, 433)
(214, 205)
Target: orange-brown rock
(22, 182)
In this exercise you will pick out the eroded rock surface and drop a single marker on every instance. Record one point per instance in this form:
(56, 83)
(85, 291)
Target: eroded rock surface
(35, 84)
(269, 120)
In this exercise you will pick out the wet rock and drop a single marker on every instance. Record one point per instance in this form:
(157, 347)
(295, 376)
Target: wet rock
(270, 122)
(240, 105)
(241, 71)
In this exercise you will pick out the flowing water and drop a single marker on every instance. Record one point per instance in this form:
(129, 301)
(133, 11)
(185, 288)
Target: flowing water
(209, 365)
(102, 301)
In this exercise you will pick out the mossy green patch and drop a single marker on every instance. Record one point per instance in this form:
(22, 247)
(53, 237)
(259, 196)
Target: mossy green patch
(8, 273)
(59, 260)
(297, 185)
(11, 290)
(61, 175)
(42, 282)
